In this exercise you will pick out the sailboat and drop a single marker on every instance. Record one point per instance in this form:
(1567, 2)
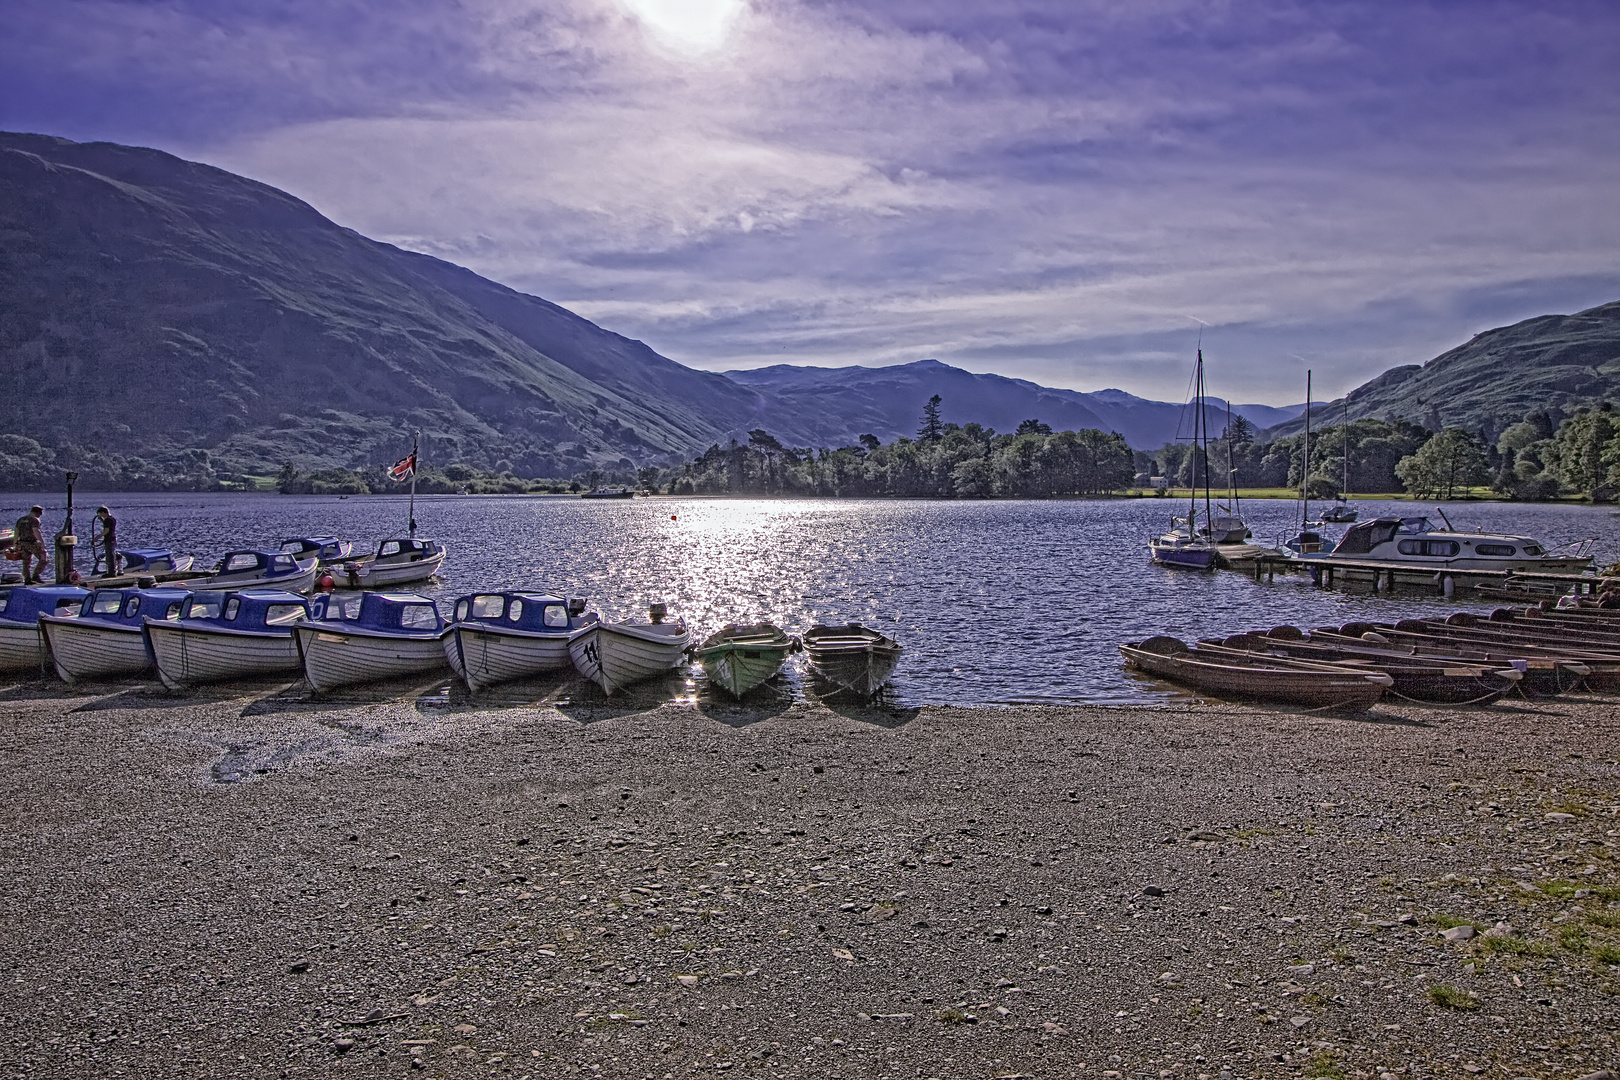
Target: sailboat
(1342, 513)
(1185, 545)
(1308, 541)
(1228, 526)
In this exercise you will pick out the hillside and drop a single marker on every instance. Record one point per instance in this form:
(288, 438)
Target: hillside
(1554, 362)
(153, 305)
(840, 404)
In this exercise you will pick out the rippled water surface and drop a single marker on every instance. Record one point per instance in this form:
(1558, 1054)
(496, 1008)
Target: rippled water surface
(993, 601)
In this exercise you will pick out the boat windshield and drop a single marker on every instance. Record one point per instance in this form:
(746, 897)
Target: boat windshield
(1416, 525)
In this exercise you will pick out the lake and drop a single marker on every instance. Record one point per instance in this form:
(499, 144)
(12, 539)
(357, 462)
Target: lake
(995, 602)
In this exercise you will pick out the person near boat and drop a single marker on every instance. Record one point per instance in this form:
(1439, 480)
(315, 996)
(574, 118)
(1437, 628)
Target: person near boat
(104, 540)
(29, 543)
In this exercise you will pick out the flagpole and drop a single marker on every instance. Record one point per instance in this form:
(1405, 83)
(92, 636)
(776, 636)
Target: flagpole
(415, 436)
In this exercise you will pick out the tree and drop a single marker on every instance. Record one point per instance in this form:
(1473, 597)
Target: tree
(1450, 460)
(1033, 427)
(932, 428)
(871, 442)
(1239, 432)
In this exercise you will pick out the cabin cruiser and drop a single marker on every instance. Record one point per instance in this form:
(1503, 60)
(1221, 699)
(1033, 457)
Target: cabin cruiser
(499, 636)
(356, 639)
(1417, 542)
(22, 643)
(227, 635)
(103, 637)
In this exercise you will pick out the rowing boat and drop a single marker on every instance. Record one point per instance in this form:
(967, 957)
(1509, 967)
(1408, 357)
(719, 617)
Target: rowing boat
(852, 656)
(1226, 673)
(739, 658)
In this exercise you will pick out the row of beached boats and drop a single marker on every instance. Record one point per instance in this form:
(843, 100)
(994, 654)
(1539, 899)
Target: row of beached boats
(1461, 659)
(187, 636)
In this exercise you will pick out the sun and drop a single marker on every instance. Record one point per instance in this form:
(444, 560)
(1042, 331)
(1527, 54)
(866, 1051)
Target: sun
(691, 26)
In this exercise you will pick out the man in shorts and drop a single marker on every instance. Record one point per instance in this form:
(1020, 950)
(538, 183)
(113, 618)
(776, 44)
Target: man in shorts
(30, 543)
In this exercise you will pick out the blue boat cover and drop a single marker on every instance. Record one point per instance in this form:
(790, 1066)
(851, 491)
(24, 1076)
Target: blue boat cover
(530, 611)
(24, 604)
(262, 610)
(273, 564)
(128, 607)
(402, 614)
(136, 559)
(325, 547)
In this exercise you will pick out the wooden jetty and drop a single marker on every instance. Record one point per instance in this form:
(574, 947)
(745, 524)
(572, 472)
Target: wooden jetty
(1382, 576)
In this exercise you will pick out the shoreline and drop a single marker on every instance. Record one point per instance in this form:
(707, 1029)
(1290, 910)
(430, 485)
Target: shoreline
(248, 878)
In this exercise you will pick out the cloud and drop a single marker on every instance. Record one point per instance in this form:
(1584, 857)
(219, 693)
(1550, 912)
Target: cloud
(1040, 189)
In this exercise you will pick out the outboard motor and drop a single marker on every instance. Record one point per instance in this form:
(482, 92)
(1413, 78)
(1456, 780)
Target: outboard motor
(657, 613)
(576, 606)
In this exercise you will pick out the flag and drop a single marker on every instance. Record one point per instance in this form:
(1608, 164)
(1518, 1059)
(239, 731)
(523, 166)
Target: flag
(404, 469)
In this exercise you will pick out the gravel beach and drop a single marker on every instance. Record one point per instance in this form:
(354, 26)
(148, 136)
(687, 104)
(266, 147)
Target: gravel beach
(255, 882)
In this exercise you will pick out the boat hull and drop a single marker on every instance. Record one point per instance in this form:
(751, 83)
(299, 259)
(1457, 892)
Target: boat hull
(83, 650)
(1308, 686)
(186, 655)
(373, 575)
(614, 656)
(301, 582)
(737, 669)
(485, 656)
(1183, 558)
(336, 657)
(853, 658)
(22, 648)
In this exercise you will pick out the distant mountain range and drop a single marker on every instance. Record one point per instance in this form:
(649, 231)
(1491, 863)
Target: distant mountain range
(160, 315)
(837, 405)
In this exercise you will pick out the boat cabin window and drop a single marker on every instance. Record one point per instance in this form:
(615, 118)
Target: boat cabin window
(174, 609)
(488, 607)
(556, 615)
(282, 614)
(351, 608)
(389, 547)
(461, 610)
(131, 607)
(202, 608)
(1416, 525)
(232, 606)
(1441, 548)
(418, 617)
(515, 610)
(283, 562)
(244, 561)
(67, 608)
(4, 600)
(1496, 549)
(106, 603)
(1534, 549)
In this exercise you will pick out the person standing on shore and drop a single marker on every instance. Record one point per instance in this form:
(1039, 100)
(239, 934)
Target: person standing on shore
(106, 539)
(30, 543)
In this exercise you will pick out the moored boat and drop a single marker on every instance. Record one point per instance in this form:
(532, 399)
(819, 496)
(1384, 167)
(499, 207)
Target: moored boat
(739, 658)
(152, 561)
(103, 638)
(852, 656)
(1250, 678)
(1416, 543)
(1420, 678)
(397, 561)
(496, 637)
(1182, 547)
(614, 655)
(359, 639)
(22, 643)
(227, 635)
(1546, 673)
(325, 550)
(254, 569)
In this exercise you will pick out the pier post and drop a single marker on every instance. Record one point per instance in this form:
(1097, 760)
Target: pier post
(1447, 586)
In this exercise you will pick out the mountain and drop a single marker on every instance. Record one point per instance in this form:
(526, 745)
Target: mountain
(1557, 363)
(840, 404)
(151, 307)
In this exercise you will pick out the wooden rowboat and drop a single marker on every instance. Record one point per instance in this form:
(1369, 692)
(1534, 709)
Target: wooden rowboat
(851, 656)
(1338, 687)
(739, 658)
(1427, 679)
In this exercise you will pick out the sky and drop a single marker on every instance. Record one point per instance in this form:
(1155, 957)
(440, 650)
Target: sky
(1068, 191)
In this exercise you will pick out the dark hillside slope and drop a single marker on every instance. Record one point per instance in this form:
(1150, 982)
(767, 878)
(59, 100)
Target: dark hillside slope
(1554, 362)
(149, 303)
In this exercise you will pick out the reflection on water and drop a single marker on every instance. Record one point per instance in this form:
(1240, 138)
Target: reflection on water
(993, 601)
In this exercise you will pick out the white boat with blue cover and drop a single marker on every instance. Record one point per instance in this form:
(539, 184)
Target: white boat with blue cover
(399, 561)
(1416, 543)
(227, 635)
(103, 638)
(258, 569)
(152, 561)
(357, 639)
(497, 637)
(22, 645)
(614, 655)
(326, 550)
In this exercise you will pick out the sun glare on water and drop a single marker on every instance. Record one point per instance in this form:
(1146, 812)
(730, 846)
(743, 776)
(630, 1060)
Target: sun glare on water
(690, 26)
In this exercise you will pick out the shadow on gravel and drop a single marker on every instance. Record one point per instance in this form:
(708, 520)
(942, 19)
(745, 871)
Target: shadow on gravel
(452, 696)
(45, 689)
(584, 701)
(300, 698)
(879, 711)
(758, 705)
(113, 696)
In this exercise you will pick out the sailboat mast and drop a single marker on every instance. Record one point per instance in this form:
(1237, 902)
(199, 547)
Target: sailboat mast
(410, 516)
(1305, 478)
(1345, 489)
(1231, 473)
(1209, 519)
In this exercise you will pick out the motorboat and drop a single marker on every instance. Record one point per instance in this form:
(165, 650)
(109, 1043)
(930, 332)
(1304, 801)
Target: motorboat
(103, 638)
(356, 639)
(1310, 540)
(1340, 513)
(608, 493)
(1183, 546)
(22, 645)
(1417, 542)
(496, 637)
(257, 569)
(397, 561)
(614, 655)
(1229, 674)
(325, 550)
(152, 561)
(227, 635)
(739, 658)
(852, 656)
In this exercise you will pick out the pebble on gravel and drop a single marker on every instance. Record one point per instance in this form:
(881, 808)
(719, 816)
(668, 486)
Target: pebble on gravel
(1458, 933)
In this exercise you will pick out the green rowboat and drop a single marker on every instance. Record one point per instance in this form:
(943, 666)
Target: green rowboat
(739, 658)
